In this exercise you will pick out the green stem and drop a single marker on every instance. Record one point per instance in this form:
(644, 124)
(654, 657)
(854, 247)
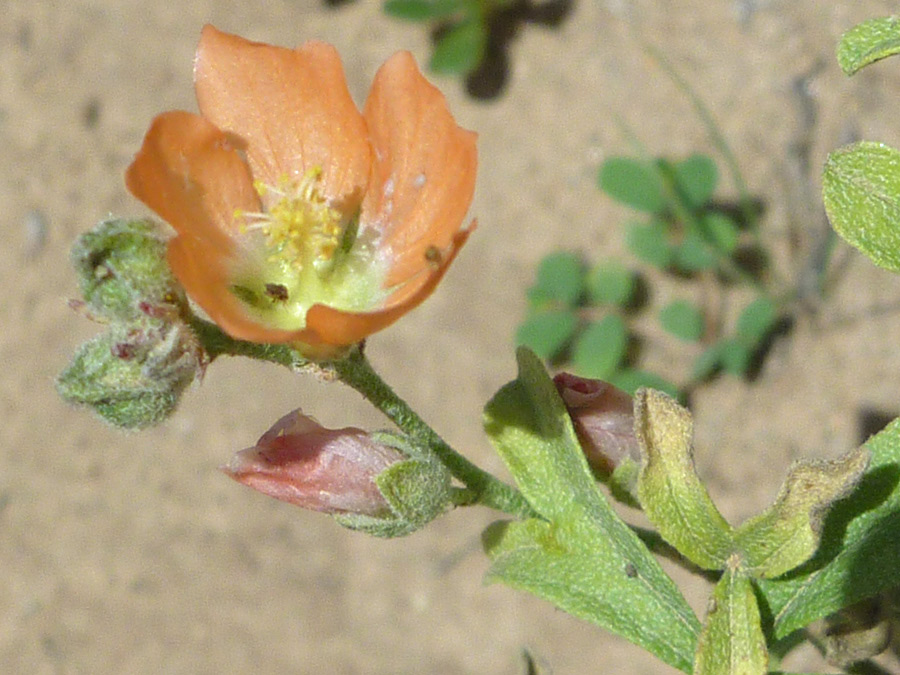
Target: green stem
(355, 371)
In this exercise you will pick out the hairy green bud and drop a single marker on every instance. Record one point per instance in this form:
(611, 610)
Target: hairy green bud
(122, 268)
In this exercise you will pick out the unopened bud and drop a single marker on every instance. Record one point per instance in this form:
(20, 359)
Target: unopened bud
(133, 375)
(365, 480)
(121, 265)
(603, 417)
(328, 470)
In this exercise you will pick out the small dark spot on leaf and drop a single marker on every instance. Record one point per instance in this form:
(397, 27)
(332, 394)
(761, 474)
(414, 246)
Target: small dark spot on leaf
(630, 571)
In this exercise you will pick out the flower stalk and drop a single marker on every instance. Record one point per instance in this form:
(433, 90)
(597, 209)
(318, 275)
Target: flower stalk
(356, 372)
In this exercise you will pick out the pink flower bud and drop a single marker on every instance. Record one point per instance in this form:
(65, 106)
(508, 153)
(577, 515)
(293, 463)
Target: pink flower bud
(329, 470)
(603, 417)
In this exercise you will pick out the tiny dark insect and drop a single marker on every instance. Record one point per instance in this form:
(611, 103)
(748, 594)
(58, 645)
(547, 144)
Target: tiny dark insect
(630, 571)
(277, 292)
(433, 255)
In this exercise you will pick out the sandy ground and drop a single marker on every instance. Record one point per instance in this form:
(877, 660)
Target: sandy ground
(133, 554)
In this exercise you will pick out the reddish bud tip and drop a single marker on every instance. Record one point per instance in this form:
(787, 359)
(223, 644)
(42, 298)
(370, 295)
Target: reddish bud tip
(328, 470)
(603, 417)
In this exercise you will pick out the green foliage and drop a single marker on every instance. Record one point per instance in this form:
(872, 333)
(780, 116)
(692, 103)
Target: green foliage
(611, 283)
(650, 242)
(861, 186)
(547, 333)
(757, 319)
(670, 492)
(732, 639)
(787, 534)
(860, 551)
(580, 555)
(461, 48)
(633, 182)
(683, 234)
(560, 280)
(868, 42)
(423, 10)
(695, 180)
(460, 29)
(683, 320)
(600, 348)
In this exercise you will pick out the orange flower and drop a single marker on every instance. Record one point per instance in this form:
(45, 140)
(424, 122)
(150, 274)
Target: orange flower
(298, 218)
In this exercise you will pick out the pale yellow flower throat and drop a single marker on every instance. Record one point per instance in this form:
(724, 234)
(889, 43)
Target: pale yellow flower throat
(299, 226)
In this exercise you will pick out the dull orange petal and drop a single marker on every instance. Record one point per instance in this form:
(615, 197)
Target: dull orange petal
(193, 178)
(291, 108)
(333, 326)
(423, 173)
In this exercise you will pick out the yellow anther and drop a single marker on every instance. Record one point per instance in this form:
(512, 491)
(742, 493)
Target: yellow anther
(299, 225)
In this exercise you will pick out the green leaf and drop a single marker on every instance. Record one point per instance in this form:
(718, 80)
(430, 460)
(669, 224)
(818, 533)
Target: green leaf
(683, 320)
(756, 321)
(650, 243)
(611, 283)
(735, 357)
(582, 557)
(422, 10)
(861, 186)
(721, 231)
(547, 333)
(694, 253)
(560, 279)
(632, 182)
(787, 534)
(599, 350)
(860, 551)
(461, 48)
(696, 179)
(670, 491)
(868, 42)
(732, 641)
(630, 380)
(706, 364)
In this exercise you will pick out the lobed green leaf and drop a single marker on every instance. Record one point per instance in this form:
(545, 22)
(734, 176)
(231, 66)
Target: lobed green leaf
(786, 534)
(860, 551)
(756, 320)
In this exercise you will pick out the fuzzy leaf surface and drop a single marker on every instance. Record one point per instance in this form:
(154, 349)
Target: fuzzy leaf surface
(861, 187)
(670, 491)
(787, 533)
(732, 641)
(868, 42)
(581, 557)
(859, 554)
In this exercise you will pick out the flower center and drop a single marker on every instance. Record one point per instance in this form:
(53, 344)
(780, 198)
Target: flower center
(304, 252)
(299, 226)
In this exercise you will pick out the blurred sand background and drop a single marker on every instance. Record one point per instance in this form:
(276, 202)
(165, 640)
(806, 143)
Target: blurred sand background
(133, 554)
